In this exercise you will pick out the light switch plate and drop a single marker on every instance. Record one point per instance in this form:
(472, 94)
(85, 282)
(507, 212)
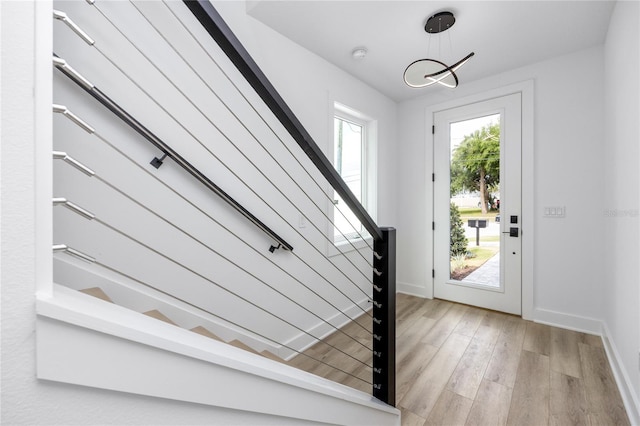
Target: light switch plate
(554, 211)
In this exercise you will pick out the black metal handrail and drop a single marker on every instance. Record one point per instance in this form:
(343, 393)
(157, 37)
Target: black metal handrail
(213, 23)
(384, 272)
(167, 151)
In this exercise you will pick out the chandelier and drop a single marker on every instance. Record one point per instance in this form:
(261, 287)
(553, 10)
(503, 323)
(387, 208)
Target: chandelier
(425, 72)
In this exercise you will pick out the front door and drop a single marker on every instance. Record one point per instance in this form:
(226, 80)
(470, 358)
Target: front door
(477, 204)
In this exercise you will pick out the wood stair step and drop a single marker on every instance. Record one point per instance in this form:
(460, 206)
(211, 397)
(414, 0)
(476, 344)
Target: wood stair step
(159, 316)
(239, 344)
(272, 356)
(205, 332)
(97, 292)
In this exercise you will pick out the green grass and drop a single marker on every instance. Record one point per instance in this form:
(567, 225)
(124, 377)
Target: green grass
(487, 239)
(474, 213)
(482, 254)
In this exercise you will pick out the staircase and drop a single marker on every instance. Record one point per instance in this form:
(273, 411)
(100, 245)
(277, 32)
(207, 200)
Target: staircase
(99, 293)
(168, 266)
(351, 373)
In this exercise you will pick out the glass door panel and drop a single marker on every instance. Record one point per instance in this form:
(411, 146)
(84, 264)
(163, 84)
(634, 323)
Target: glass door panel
(474, 164)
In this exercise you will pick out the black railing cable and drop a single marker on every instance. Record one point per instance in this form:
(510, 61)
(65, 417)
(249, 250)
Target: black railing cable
(218, 285)
(97, 262)
(266, 123)
(213, 219)
(76, 77)
(63, 67)
(114, 229)
(274, 102)
(68, 74)
(266, 151)
(232, 262)
(213, 23)
(208, 247)
(206, 117)
(95, 93)
(93, 131)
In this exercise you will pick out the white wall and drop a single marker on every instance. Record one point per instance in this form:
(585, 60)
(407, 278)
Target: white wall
(568, 111)
(586, 158)
(620, 290)
(26, 400)
(210, 131)
(310, 85)
(571, 145)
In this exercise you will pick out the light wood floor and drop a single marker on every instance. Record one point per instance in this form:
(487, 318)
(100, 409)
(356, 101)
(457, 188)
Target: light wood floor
(461, 365)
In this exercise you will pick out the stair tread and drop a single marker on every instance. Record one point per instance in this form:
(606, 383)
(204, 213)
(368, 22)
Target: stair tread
(205, 332)
(271, 356)
(159, 316)
(239, 344)
(97, 292)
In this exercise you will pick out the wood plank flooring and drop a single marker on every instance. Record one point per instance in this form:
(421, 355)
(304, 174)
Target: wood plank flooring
(461, 365)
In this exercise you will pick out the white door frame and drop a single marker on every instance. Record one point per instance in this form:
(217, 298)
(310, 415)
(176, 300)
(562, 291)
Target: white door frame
(526, 88)
(507, 297)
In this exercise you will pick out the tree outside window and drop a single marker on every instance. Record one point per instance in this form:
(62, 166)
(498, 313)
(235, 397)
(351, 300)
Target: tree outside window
(349, 160)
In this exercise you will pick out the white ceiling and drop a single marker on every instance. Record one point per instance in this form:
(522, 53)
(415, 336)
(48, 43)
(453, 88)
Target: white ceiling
(503, 34)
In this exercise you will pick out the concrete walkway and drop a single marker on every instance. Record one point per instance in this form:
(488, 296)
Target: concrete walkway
(488, 274)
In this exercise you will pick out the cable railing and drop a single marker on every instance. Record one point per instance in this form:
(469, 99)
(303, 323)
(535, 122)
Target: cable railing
(96, 93)
(187, 246)
(166, 150)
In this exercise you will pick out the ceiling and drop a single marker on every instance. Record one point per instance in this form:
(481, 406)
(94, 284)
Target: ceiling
(503, 34)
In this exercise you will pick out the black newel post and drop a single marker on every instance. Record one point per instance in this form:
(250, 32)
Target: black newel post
(384, 317)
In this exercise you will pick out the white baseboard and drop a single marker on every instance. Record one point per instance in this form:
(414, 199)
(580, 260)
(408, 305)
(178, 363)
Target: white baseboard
(593, 326)
(570, 322)
(629, 397)
(413, 290)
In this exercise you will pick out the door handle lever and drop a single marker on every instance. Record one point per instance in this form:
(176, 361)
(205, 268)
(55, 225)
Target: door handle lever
(513, 232)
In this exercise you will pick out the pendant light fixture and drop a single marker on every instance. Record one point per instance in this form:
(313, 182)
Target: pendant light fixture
(425, 72)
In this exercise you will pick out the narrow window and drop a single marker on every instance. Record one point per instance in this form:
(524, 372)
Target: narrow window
(352, 157)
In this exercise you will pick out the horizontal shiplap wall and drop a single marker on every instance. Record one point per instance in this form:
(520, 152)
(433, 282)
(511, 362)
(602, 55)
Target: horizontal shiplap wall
(130, 172)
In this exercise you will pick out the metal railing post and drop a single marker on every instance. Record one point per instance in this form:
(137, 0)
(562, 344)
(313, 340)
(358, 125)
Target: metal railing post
(384, 317)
